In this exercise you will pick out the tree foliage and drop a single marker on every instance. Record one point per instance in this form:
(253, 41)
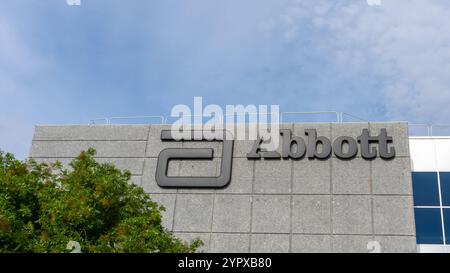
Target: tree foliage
(43, 207)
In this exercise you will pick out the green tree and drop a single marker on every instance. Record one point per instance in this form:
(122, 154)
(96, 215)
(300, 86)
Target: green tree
(43, 207)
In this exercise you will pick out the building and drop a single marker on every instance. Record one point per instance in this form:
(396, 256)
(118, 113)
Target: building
(430, 165)
(344, 200)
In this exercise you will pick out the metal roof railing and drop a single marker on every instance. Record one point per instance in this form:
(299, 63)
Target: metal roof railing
(94, 121)
(334, 113)
(415, 129)
(434, 127)
(166, 120)
(337, 117)
(344, 114)
(419, 126)
(109, 121)
(161, 118)
(431, 130)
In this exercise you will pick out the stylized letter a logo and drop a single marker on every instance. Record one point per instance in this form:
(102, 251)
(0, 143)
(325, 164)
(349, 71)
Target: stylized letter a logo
(189, 153)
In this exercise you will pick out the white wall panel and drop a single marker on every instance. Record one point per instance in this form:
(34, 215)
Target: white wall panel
(443, 154)
(423, 156)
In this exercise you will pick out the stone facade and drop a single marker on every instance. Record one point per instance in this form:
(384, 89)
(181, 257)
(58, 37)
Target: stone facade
(330, 205)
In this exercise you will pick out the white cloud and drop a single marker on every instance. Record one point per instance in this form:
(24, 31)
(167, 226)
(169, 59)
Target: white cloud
(303, 54)
(73, 2)
(403, 43)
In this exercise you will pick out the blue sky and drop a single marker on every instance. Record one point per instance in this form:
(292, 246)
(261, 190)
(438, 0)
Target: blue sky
(63, 64)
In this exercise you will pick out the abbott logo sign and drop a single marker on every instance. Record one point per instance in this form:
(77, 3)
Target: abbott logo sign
(292, 147)
(370, 146)
(166, 155)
